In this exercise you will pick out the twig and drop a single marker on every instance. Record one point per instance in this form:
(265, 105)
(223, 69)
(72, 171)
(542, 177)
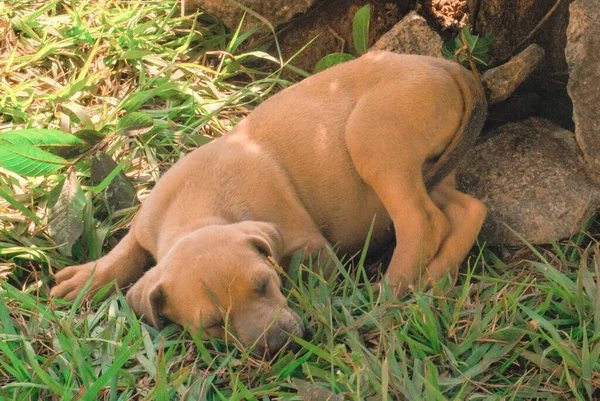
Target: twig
(228, 55)
(338, 37)
(467, 52)
(96, 148)
(470, 56)
(532, 33)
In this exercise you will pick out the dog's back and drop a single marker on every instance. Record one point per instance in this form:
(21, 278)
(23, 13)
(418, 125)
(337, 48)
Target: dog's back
(297, 141)
(304, 127)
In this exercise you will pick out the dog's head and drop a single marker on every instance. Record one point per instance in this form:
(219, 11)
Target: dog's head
(220, 273)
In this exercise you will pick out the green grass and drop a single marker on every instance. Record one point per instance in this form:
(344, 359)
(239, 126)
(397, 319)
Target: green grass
(528, 329)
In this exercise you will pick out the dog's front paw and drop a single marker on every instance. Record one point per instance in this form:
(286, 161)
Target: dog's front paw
(70, 281)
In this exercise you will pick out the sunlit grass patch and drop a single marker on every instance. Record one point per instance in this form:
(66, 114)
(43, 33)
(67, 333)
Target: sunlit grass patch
(85, 68)
(503, 332)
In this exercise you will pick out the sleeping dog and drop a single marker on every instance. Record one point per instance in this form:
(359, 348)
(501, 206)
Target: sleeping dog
(308, 169)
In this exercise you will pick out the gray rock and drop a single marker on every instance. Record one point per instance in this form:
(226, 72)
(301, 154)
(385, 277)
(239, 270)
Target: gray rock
(583, 57)
(501, 82)
(120, 193)
(412, 35)
(531, 177)
(513, 21)
(275, 11)
(310, 392)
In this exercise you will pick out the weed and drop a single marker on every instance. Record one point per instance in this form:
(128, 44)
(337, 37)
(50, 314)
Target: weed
(469, 49)
(360, 33)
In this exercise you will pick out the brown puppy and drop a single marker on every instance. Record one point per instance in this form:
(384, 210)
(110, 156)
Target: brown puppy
(309, 168)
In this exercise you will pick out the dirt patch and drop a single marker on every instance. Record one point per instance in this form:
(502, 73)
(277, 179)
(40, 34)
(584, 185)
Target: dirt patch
(447, 14)
(329, 25)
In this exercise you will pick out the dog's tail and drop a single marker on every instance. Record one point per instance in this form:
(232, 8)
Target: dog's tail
(474, 117)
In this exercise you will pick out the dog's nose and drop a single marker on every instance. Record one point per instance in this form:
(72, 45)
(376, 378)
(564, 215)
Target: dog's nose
(288, 324)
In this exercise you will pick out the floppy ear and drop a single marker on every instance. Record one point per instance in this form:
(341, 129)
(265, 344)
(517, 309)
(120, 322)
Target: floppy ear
(264, 236)
(146, 297)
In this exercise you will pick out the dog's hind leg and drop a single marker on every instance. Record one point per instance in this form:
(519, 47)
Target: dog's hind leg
(124, 264)
(388, 148)
(466, 215)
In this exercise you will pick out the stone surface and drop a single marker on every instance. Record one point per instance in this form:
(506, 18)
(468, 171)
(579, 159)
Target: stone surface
(120, 193)
(412, 35)
(518, 107)
(310, 392)
(275, 11)
(530, 175)
(583, 57)
(513, 20)
(501, 82)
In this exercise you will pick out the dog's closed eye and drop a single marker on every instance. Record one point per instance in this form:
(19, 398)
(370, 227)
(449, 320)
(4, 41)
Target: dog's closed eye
(261, 285)
(215, 329)
(212, 323)
(262, 248)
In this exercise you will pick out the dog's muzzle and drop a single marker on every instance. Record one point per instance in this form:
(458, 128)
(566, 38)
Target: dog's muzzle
(279, 333)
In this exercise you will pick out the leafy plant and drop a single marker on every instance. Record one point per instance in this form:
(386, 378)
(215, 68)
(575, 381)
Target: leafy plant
(469, 49)
(183, 70)
(360, 34)
(66, 213)
(360, 29)
(24, 151)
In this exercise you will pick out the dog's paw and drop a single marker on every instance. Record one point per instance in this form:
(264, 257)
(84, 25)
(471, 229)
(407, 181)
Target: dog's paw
(397, 289)
(70, 281)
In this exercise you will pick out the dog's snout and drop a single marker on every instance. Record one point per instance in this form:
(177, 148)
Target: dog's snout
(287, 325)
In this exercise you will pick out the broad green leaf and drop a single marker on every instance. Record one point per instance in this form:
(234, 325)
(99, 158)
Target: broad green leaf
(478, 46)
(89, 136)
(135, 123)
(28, 160)
(39, 137)
(360, 29)
(332, 59)
(451, 46)
(66, 215)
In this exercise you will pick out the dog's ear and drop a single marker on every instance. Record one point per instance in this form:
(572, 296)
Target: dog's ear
(265, 237)
(146, 297)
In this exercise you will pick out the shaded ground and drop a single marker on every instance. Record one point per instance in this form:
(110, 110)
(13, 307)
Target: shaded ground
(330, 22)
